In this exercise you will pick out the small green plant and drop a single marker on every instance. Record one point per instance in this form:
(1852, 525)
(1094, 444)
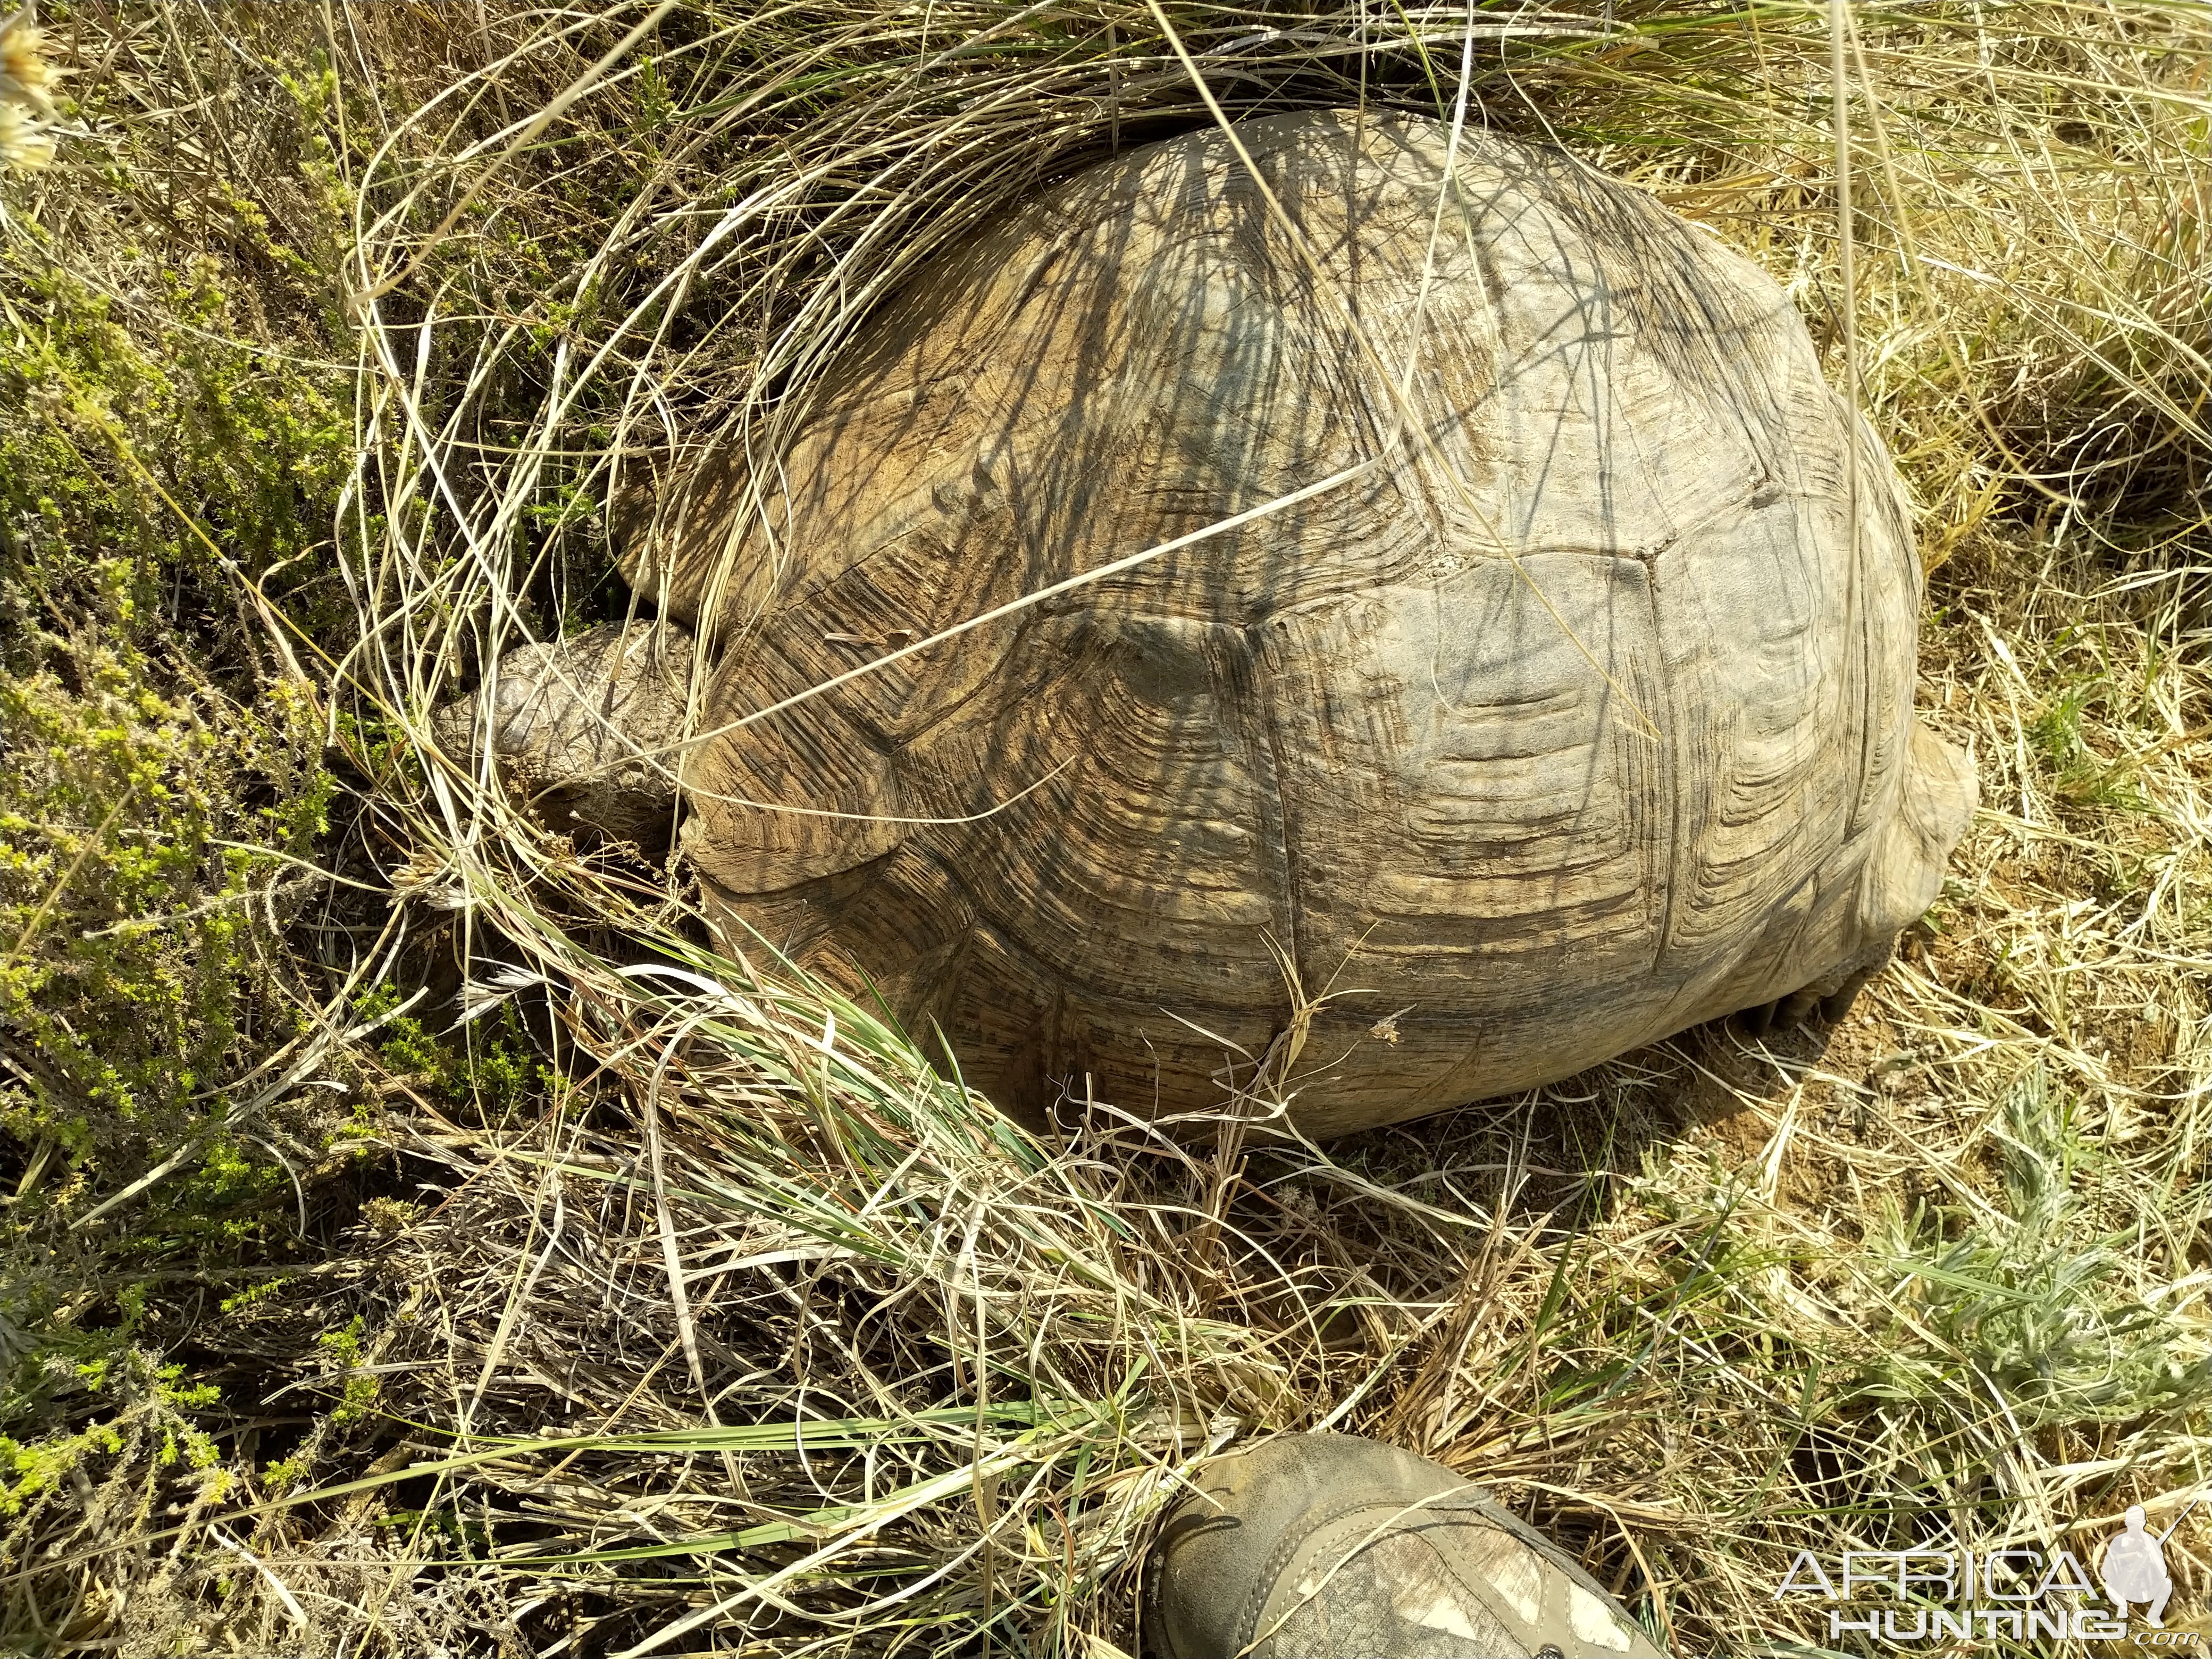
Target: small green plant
(490, 1065)
(342, 1353)
(2081, 776)
(2036, 1299)
(280, 1474)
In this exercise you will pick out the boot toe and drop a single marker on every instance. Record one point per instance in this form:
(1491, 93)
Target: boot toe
(1329, 1546)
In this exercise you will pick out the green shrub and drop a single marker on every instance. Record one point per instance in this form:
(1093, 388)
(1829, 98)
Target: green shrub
(165, 788)
(175, 431)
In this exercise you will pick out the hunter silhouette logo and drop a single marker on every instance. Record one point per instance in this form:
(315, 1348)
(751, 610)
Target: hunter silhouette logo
(2134, 1568)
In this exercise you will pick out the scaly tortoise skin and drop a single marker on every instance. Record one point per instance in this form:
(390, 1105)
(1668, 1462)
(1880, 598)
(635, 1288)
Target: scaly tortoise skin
(1572, 721)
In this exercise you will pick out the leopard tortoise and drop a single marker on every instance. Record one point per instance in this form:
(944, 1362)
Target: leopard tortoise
(1511, 682)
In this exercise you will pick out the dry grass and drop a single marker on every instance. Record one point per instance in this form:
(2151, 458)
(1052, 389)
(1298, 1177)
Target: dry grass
(742, 1329)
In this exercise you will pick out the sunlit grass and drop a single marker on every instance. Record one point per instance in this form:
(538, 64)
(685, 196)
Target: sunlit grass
(750, 1326)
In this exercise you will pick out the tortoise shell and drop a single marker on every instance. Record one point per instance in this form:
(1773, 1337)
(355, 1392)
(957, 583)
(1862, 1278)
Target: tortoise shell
(1570, 710)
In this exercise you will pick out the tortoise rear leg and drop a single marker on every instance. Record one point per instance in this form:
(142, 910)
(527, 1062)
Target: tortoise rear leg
(1795, 1008)
(1807, 1006)
(1837, 1003)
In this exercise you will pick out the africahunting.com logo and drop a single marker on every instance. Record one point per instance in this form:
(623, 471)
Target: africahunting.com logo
(1955, 1596)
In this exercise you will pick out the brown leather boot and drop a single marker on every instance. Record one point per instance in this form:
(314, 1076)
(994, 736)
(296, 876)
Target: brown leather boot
(1329, 1546)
